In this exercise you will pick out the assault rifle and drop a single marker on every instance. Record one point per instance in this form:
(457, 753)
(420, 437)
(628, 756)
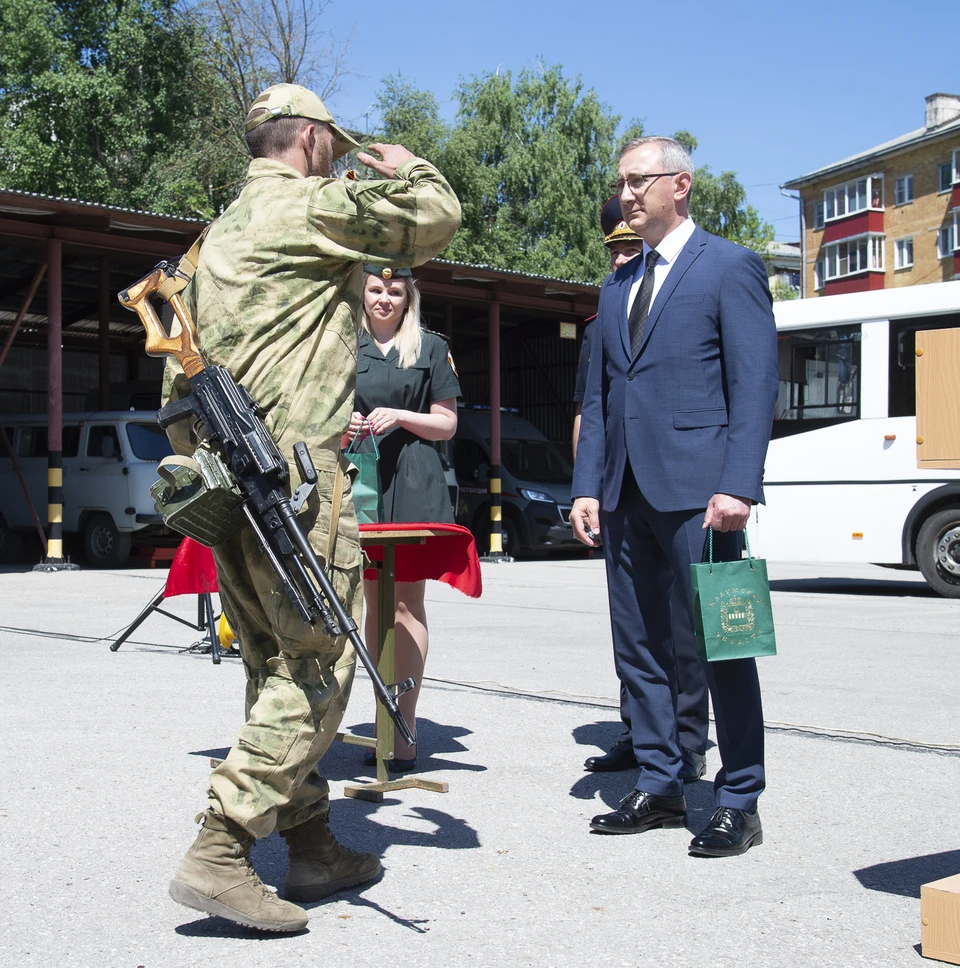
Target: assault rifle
(229, 421)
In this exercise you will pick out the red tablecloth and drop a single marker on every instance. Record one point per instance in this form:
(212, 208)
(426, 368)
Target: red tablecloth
(192, 571)
(450, 557)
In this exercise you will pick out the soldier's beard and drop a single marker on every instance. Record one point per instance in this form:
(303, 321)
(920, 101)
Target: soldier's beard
(321, 165)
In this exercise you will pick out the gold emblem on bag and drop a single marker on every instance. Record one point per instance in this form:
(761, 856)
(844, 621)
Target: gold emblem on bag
(737, 616)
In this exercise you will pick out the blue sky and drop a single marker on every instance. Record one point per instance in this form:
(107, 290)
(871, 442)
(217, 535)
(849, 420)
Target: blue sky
(772, 91)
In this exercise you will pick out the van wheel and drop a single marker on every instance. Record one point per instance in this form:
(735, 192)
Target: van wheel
(10, 543)
(104, 545)
(938, 552)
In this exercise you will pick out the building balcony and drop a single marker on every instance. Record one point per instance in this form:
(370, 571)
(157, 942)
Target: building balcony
(858, 224)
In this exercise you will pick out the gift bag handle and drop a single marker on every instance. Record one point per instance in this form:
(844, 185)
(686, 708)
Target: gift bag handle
(350, 447)
(746, 541)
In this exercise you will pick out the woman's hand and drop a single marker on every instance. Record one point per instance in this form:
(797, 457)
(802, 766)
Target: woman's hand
(356, 422)
(384, 418)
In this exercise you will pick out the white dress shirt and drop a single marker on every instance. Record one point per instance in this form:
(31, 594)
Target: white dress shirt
(669, 248)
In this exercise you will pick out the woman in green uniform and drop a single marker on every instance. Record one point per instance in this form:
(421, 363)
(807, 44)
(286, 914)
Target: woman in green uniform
(407, 389)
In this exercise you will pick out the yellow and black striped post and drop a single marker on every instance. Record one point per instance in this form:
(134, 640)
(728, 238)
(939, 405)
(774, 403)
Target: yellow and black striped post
(496, 512)
(495, 552)
(54, 503)
(54, 560)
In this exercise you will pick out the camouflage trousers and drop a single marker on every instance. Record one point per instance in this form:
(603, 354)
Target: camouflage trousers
(298, 683)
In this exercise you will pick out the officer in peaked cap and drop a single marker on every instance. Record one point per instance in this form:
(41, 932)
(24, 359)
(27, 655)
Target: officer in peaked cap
(294, 101)
(624, 244)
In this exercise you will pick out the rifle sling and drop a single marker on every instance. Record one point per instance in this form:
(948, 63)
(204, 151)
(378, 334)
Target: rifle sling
(186, 267)
(335, 500)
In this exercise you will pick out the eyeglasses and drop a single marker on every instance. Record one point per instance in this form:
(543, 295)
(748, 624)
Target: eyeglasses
(636, 182)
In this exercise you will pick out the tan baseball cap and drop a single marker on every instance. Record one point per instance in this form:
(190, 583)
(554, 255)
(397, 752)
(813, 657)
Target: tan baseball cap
(294, 101)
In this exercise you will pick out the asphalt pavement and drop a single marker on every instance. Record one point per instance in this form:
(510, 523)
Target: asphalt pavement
(108, 760)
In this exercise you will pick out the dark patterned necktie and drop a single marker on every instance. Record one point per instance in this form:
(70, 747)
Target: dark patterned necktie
(641, 303)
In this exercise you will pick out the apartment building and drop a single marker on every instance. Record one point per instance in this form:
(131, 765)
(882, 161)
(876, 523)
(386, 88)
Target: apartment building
(885, 217)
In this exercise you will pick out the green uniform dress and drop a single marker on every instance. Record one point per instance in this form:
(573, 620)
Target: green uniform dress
(275, 300)
(411, 475)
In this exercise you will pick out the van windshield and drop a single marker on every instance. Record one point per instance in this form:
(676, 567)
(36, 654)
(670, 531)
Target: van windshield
(148, 441)
(534, 460)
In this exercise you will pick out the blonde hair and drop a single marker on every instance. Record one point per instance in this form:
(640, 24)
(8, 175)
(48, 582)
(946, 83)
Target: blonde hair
(409, 338)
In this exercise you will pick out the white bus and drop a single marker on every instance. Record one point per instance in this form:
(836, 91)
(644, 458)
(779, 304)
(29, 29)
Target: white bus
(841, 479)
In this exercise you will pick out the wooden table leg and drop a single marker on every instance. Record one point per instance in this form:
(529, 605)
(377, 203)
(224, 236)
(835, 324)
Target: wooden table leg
(386, 610)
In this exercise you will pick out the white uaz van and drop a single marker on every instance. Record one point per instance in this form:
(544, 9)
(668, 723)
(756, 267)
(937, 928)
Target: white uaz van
(109, 462)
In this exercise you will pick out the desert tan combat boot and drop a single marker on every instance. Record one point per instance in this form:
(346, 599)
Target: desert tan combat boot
(319, 866)
(216, 876)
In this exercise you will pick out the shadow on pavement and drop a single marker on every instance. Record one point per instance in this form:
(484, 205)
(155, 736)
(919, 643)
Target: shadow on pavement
(219, 754)
(354, 824)
(344, 761)
(904, 877)
(600, 734)
(214, 927)
(854, 586)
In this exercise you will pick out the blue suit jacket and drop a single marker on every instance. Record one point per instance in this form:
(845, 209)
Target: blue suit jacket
(693, 409)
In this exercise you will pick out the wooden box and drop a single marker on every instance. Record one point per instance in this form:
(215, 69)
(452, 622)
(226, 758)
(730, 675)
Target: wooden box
(940, 919)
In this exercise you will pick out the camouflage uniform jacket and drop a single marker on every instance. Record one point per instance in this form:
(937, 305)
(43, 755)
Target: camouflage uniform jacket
(277, 290)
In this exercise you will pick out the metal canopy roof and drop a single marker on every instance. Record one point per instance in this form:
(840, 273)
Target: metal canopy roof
(130, 243)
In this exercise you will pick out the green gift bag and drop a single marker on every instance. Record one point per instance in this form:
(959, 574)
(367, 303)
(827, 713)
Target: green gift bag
(367, 495)
(732, 616)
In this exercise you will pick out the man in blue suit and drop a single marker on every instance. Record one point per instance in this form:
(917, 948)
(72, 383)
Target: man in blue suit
(624, 245)
(676, 420)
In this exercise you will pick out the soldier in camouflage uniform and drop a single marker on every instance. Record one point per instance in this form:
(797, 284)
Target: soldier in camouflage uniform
(275, 298)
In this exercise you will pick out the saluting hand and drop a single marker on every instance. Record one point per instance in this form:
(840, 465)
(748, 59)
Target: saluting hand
(392, 157)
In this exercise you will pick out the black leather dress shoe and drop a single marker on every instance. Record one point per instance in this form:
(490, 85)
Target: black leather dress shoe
(694, 765)
(620, 757)
(642, 811)
(730, 832)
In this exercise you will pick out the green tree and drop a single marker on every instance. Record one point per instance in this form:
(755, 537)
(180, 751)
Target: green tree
(783, 291)
(251, 44)
(411, 117)
(530, 157)
(108, 101)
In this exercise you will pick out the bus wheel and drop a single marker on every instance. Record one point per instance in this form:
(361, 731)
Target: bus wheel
(104, 544)
(938, 552)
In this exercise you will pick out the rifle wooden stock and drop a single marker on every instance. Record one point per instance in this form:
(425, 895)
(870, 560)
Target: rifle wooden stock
(183, 346)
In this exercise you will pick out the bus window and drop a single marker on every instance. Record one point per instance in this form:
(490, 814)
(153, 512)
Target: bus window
(902, 397)
(819, 379)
